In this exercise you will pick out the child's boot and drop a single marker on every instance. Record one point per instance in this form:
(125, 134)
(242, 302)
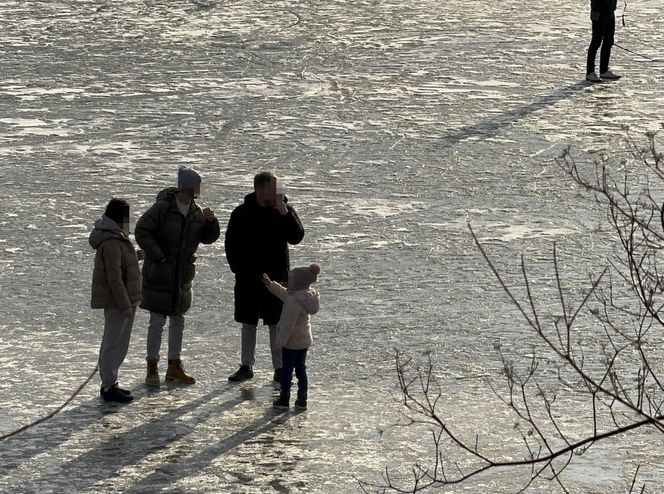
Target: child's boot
(283, 401)
(301, 402)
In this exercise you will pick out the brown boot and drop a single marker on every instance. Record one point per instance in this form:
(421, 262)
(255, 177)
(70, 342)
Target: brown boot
(152, 377)
(176, 372)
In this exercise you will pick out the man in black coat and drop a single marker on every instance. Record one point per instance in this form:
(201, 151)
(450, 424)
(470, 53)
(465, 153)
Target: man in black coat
(602, 15)
(257, 238)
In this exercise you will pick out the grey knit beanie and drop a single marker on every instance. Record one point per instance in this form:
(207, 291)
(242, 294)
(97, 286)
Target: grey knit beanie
(187, 178)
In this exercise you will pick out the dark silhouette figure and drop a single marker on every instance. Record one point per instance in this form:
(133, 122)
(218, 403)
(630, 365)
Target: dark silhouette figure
(603, 17)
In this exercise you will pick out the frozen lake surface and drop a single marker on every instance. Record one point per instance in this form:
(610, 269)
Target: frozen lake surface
(392, 124)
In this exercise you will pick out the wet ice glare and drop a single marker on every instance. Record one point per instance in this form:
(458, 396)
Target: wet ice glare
(392, 124)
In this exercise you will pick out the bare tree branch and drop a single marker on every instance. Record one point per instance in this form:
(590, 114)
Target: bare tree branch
(613, 371)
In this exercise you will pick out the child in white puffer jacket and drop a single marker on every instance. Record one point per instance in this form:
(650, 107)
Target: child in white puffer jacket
(294, 329)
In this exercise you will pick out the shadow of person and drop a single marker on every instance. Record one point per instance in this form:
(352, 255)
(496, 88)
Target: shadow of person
(491, 127)
(161, 439)
(175, 470)
(49, 435)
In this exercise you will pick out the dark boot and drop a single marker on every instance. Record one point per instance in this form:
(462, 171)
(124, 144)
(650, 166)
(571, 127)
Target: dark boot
(244, 372)
(152, 376)
(125, 391)
(176, 372)
(122, 390)
(114, 394)
(301, 402)
(283, 402)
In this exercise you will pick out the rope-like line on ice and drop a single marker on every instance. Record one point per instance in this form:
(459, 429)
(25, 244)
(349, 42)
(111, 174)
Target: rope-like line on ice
(39, 421)
(638, 54)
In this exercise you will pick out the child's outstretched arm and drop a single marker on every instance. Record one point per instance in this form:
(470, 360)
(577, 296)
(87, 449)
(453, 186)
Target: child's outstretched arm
(275, 288)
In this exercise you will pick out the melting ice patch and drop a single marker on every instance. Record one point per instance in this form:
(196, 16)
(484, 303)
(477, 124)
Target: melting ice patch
(23, 122)
(515, 232)
(325, 220)
(382, 207)
(33, 93)
(36, 126)
(339, 242)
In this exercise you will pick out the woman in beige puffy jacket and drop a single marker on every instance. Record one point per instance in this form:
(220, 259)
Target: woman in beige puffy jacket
(116, 288)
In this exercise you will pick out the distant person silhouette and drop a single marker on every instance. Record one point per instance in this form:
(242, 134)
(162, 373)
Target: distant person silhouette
(259, 231)
(602, 15)
(170, 233)
(116, 288)
(294, 330)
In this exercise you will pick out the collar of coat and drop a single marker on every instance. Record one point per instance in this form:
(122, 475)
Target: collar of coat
(169, 195)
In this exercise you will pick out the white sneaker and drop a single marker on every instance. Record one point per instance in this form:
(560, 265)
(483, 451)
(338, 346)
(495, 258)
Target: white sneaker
(610, 75)
(593, 77)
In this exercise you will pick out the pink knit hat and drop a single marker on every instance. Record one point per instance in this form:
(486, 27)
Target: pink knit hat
(301, 278)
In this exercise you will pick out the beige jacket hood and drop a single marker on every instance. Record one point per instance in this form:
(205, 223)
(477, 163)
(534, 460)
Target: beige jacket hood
(116, 280)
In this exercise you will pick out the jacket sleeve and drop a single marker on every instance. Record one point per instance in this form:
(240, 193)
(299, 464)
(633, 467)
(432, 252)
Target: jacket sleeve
(233, 242)
(211, 232)
(278, 290)
(293, 226)
(112, 255)
(289, 315)
(146, 231)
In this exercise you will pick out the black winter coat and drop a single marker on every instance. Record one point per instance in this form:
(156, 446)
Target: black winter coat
(170, 242)
(256, 242)
(605, 6)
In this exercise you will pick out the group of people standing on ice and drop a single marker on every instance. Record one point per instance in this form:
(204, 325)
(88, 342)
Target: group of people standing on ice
(256, 243)
(168, 234)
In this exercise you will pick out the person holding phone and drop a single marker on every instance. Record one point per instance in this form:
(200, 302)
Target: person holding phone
(170, 233)
(257, 239)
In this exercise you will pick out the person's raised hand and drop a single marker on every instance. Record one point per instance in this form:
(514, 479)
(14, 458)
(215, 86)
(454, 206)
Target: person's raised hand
(208, 214)
(280, 205)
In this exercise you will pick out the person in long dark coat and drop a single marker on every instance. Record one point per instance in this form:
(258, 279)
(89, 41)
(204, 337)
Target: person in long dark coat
(170, 233)
(257, 238)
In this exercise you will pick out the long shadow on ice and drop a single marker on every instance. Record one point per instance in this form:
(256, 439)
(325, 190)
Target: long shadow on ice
(491, 127)
(126, 448)
(57, 430)
(174, 470)
(52, 433)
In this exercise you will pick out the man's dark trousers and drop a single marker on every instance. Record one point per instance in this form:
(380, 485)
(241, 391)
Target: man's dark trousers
(604, 28)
